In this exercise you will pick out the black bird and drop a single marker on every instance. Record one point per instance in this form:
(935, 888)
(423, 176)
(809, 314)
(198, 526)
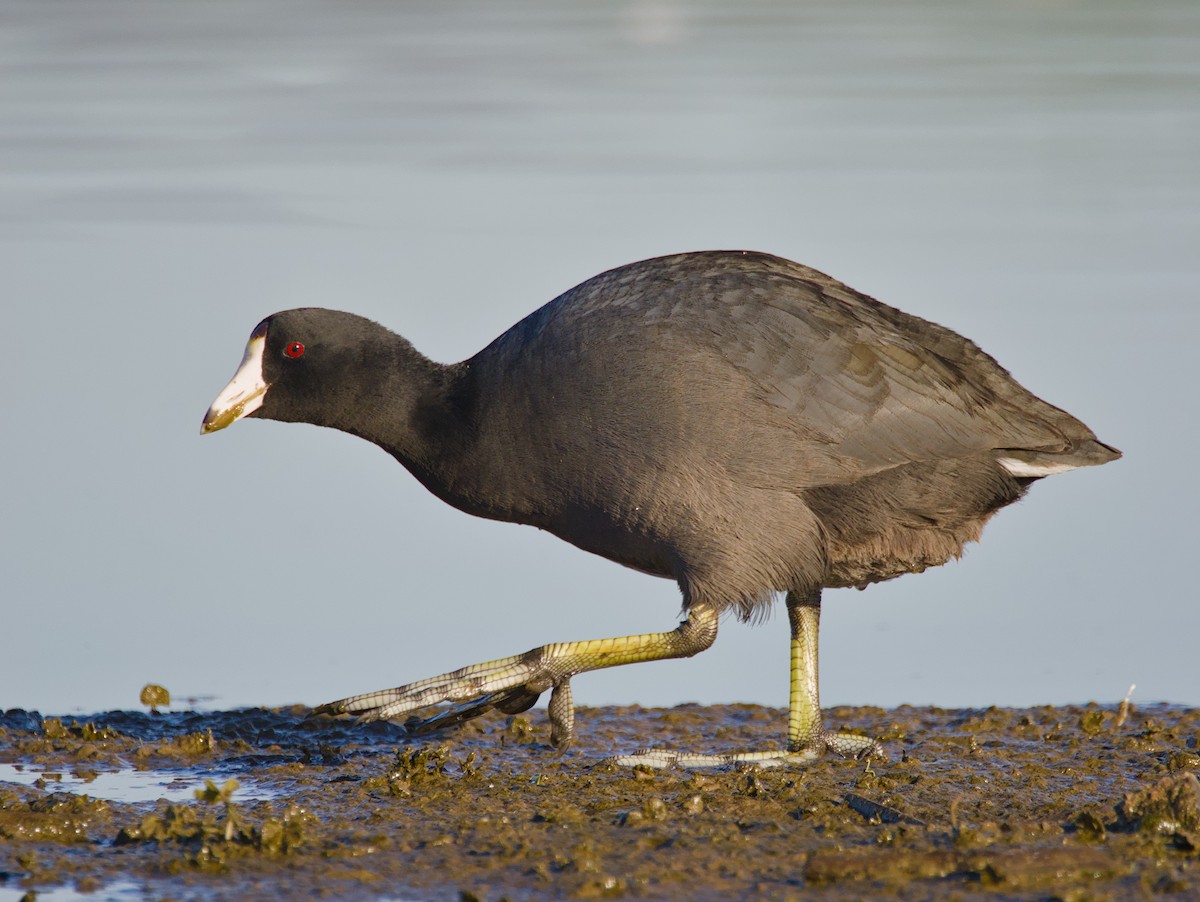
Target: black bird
(736, 422)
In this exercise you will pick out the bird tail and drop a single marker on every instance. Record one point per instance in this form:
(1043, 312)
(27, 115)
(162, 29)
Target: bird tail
(1024, 463)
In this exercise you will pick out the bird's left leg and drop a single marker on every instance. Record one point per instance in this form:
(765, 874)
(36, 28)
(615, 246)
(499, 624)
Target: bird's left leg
(807, 738)
(513, 684)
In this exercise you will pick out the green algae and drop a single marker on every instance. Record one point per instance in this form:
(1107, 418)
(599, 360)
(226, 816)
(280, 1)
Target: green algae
(154, 697)
(52, 817)
(189, 745)
(1170, 807)
(212, 836)
(1071, 803)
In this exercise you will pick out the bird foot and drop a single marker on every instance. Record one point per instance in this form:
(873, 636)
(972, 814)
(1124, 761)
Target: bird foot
(511, 685)
(846, 745)
(512, 701)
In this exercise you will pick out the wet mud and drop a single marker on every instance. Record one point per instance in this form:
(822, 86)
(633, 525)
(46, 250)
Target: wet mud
(1073, 803)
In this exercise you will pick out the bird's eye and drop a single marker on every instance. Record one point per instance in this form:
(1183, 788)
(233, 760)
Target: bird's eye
(295, 349)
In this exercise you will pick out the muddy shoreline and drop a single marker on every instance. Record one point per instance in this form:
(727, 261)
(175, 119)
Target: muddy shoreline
(1051, 802)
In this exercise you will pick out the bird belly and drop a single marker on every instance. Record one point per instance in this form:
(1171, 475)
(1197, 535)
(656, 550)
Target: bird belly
(908, 518)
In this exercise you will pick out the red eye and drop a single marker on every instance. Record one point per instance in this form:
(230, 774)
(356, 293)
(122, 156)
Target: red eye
(295, 349)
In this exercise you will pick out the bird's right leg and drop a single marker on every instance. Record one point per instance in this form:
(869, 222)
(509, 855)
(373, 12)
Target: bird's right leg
(807, 738)
(513, 684)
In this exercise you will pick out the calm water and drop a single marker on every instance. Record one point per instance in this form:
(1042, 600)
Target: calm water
(169, 173)
(116, 785)
(118, 891)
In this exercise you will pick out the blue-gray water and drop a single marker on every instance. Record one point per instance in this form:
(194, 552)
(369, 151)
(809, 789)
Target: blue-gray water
(1024, 172)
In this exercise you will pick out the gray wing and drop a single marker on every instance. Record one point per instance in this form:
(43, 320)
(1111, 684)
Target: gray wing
(884, 388)
(860, 386)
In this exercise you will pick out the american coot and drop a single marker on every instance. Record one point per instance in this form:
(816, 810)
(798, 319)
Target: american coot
(734, 421)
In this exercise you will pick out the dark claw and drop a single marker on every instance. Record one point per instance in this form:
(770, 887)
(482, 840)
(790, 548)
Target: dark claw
(519, 700)
(510, 701)
(332, 709)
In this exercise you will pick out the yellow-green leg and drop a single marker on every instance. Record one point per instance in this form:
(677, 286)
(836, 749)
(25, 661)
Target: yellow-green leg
(513, 684)
(804, 695)
(807, 739)
(805, 731)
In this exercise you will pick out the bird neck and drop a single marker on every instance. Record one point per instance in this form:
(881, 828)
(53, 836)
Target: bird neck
(392, 396)
(431, 417)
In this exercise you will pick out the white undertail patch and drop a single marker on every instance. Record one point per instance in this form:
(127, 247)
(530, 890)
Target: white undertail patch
(1025, 469)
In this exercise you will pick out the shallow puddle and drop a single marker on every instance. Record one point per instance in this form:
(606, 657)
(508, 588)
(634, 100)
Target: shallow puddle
(125, 785)
(117, 891)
